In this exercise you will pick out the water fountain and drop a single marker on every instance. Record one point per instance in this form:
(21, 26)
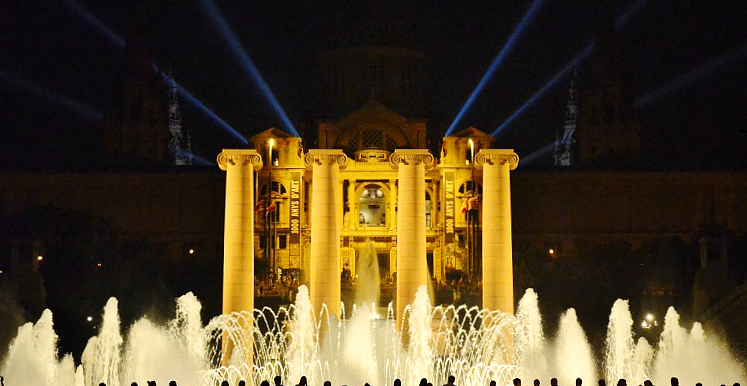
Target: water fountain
(366, 347)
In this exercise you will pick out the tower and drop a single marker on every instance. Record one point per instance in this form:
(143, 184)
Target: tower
(136, 126)
(564, 145)
(180, 144)
(608, 132)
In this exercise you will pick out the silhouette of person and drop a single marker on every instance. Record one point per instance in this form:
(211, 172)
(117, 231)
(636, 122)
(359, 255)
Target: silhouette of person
(675, 381)
(517, 382)
(264, 383)
(429, 384)
(303, 381)
(622, 382)
(492, 383)
(151, 383)
(242, 383)
(1, 381)
(554, 382)
(278, 380)
(602, 382)
(450, 381)
(649, 383)
(327, 383)
(133, 384)
(579, 381)
(397, 382)
(172, 383)
(102, 384)
(536, 382)
(423, 382)
(225, 383)
(736, 384)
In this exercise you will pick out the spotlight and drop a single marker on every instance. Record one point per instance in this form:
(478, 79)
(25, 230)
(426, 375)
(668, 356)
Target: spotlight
(89, 319)
(631, 11)
(39, 258)
(246, 61)
(96, 23)
(649, 317)
(722, 62)
(191, 251)
(198, 159)
(191, 98)
(536, 5)
(537, 154)
(67, 104)
(549, 85)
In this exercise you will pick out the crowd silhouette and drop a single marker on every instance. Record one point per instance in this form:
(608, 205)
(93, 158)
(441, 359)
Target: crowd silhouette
(278, 381)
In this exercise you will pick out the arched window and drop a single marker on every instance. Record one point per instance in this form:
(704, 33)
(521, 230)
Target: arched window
(466, 188)
(373, 207)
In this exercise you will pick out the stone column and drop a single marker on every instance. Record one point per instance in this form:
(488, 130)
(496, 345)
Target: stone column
(238, 241)
(412, 269)
(326, 224)
(497, 262)
(238, 235)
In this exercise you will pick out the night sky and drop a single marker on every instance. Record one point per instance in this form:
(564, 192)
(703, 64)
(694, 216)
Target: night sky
(699, 123)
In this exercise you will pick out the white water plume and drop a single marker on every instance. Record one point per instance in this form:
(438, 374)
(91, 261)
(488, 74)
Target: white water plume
(474, 345)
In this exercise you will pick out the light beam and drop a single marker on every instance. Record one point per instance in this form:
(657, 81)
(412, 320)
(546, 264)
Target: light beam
(629, 12)
(543, 152)
(536, 5)
(61, 101)
(220, 22)
(722, 62)
(197, 158)
(191, 98)
(119, 42)
(549, 85)
(96, 23)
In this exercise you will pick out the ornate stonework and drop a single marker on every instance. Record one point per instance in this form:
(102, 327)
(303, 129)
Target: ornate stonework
(411, 157)
(242, 157)
(326, 156)
(499, 156)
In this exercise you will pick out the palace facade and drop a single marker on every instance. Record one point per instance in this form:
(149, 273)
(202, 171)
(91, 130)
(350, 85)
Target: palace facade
(369, 185)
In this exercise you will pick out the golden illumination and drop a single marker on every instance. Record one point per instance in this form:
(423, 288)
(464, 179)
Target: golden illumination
(39, 258)
(551, 251)
(191, 251)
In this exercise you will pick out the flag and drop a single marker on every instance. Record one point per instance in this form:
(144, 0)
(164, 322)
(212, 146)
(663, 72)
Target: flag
(473, 203)
(259, 207)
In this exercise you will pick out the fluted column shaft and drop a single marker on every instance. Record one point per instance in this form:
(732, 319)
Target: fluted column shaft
(238, 234)
(238, 243)
(412, 269)
(326, 225)
(497, 261)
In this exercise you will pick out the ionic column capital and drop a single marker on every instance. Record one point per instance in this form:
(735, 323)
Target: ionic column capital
(239, 157)
(326, 157)
(411, 157)
(497, 156)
